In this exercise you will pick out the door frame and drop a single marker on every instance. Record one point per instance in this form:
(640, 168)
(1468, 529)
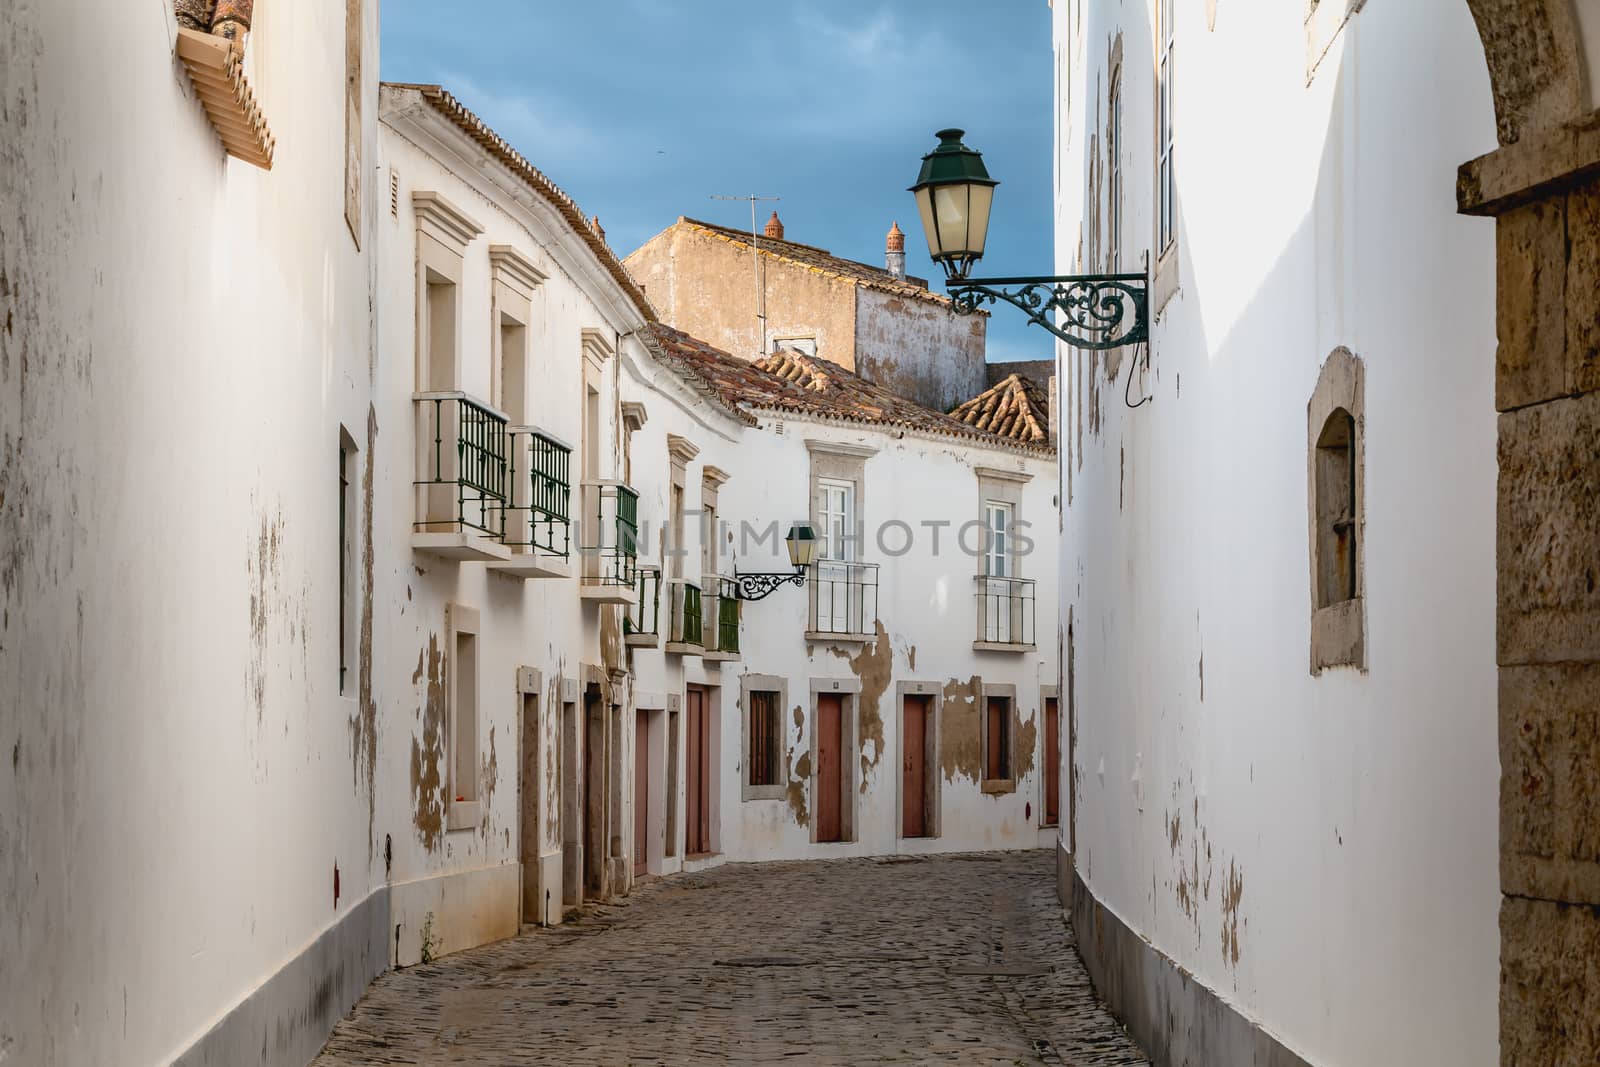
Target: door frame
(710, 694)
(1048, 693)
(934, 694)
(849, 692)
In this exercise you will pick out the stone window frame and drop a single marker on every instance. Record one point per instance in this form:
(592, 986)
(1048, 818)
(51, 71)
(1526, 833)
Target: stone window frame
(998, 785)
(933, 823)
(1338, 631)
(1165, 280)
(443, 233)
(460, 620)
(1325, 19)
(837, 461)
(761, 683)
(513, 280)
(1002, 487)
(849, 759)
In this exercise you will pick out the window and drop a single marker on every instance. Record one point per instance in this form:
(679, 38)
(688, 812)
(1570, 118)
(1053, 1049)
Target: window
(353, 27)
(836, 507)
(1114, 173)
(441, 337)
(997, 539)
(842, 595)
(806, 346)
(763, 699)
(997, 774)
(463, 755)
(1334, 428)
(346, 553)
(1165, 195)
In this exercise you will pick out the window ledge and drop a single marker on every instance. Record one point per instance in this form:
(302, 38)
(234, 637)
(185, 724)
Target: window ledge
(461, 815)
(1338, 636)
(718, 657)
(642, 640)
(1164, 284)
(840, 639)
(683, 648)
(217, 72)
(999, 785)
(764, 792)
(1002, 646)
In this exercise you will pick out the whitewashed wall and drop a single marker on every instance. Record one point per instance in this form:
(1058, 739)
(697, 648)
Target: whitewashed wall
(926, 631)
(463, 876)
(1318, 851)
(178, 782)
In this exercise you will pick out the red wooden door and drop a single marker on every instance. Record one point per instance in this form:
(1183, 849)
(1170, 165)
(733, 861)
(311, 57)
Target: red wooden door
(1052, 762)
(698, 825)
(641, 793)
(913, 784)
(830, 720)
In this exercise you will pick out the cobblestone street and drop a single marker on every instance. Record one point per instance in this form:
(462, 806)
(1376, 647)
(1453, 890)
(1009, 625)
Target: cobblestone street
(957, 959)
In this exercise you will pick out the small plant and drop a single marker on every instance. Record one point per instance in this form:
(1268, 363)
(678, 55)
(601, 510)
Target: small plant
(429, 942)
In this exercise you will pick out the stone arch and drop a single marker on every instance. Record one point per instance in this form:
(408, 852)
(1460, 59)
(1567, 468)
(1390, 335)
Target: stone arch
(1543, 188)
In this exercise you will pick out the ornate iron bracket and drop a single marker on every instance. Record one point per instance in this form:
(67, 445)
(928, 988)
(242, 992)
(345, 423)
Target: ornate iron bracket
(760, 586)
(1099, 311)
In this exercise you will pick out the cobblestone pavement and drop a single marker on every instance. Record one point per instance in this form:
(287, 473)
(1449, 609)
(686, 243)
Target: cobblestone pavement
(960, 959)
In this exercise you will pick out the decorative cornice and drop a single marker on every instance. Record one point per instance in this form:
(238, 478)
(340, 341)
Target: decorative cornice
(444, 222)
(1002, 475)
(597, 347)
(633, 414)
(838, 448)
(681, 449)
(714, 477)
(513, 268)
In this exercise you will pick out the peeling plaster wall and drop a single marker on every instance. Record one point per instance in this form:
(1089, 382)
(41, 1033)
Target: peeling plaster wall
(1320, 852)
(925, 632)
(179, 782)
(919, 349)
(460, 874)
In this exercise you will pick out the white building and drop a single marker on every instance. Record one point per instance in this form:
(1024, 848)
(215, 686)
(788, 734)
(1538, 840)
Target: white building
(1278, 571)
(898, 701)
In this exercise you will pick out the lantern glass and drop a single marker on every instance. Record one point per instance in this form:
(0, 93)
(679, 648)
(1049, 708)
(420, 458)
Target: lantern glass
(954, 196)
(802, 545)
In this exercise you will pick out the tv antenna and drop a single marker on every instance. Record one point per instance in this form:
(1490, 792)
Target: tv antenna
(755, 263)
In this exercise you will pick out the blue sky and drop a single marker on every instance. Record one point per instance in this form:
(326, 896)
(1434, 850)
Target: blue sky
(641, 109)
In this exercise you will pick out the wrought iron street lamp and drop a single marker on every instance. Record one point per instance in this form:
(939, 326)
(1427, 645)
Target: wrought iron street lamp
(802, 546)
(954, 195)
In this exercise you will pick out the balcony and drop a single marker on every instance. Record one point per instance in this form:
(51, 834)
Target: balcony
(536, 523)
(843, 604)
(686, 633)
(460, 481)
(1005, 614)
(641, 626)
(610, 542)
(721, 604)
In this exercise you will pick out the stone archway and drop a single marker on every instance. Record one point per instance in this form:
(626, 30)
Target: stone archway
(1543, 187)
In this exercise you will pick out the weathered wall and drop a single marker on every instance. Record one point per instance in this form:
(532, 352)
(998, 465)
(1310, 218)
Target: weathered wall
(182, 777)
(925, 630)
(707, 286)
(539, 624)
(919, 349)
(1317, 852)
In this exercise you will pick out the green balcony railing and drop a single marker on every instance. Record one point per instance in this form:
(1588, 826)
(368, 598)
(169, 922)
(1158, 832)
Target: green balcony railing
(643, 617)
(727, 616)
(691, 627)
(610, 537)
(539, 515)
(462, 467)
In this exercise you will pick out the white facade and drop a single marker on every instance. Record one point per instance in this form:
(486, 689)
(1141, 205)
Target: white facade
(179, 785)
(906, 489)
(1308, 846)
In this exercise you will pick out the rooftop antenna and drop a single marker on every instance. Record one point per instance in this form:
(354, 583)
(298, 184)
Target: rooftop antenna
(755, 263)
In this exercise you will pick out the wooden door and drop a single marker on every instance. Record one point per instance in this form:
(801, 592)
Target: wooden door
(913, 780)
(1052, 762)
(698, 823)
(641, 792)
(830, 722)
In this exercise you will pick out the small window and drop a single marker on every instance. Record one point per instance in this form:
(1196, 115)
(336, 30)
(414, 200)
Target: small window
(512, 394)
(1336, 509)
(462, 668)
(806, 346)
(836, 509)
(1114, 173)
(766, 737)
(1166, 214)
(353, 27)
(997, 739)
(441, 335)
(1334, 429)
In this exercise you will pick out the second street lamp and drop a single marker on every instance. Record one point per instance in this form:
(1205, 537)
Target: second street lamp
(801, 544)
(954, 195)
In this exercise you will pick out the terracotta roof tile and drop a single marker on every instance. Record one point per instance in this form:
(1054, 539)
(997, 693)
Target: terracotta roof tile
(823, 261)
(497, 146)
(791, 381)
(1014, 407)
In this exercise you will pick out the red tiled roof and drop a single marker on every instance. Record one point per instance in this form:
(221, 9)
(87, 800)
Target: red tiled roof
(822, 261)
(808, 385)
(497, 146)
(1014, 407)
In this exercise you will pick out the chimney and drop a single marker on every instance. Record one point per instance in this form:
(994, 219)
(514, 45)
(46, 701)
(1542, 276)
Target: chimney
(599, 231)
(894, 253)
(775, 227)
